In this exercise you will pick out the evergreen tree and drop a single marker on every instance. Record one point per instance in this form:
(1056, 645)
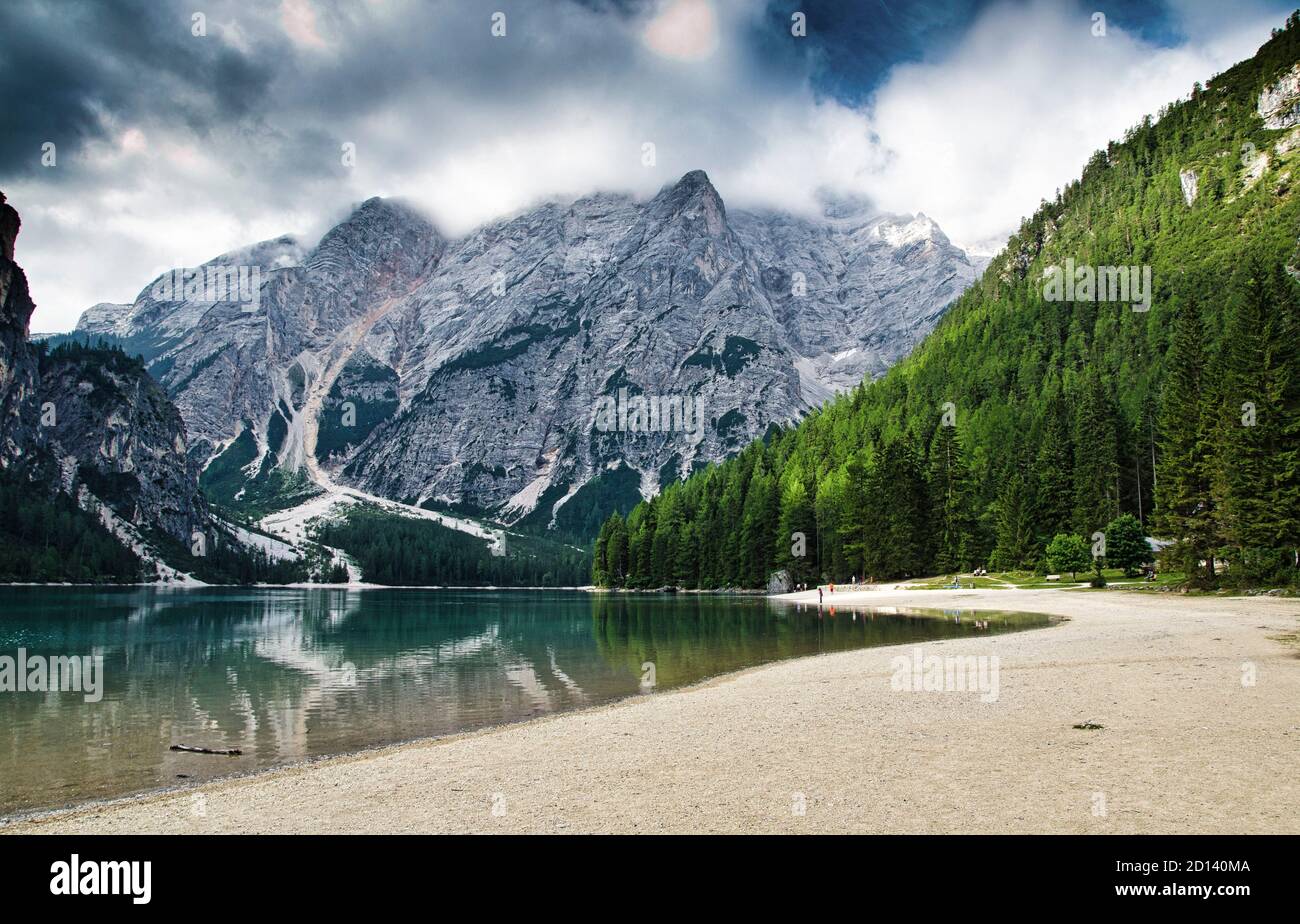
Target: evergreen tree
(831, 509)
(1096, 472)
(1286, 460)
(599, 569)
(616, 552)
(1016, 547)
(1053, 466)
(797, 533)
(1252, 462)
(1184, 506)
(861, 525)
(950, 492)
(757, 529)
(895, 533)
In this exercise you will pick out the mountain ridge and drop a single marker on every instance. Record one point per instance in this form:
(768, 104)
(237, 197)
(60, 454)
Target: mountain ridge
(529, 319)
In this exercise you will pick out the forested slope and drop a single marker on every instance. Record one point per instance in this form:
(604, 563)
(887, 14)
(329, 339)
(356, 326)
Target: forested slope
(1064, 414)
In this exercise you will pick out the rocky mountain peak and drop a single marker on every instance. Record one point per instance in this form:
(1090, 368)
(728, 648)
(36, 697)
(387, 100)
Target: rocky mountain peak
(901, 230)
(381, 240)
(105, 318)
(848, 208)
(468, 369)
(382, 212)
(692, 196)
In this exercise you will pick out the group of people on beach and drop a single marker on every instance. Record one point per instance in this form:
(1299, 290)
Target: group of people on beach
(830, 588)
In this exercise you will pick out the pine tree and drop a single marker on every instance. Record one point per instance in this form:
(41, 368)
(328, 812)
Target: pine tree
(861, 525)
(1248, 420)
(616, 552)
(1096, 470)
(950, 491)
(1053, 466)
(890, 528)
(1184, 505)
(831, 509)
(757, 528)
(797, 532)
(1286, 462)
(1016, 547)
(730, 509)
(599, 569)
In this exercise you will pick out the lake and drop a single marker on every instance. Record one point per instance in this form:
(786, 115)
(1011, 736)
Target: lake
(290, 674)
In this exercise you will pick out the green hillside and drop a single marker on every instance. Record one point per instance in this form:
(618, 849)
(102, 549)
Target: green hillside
(1065, 414)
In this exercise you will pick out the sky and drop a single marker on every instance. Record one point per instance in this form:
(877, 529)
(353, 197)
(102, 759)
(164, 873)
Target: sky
(178, 135)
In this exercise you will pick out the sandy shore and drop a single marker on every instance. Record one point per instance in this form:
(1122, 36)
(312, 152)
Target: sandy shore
(1185, 747)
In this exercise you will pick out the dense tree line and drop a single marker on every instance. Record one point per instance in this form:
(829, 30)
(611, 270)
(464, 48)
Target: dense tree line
(225, 560)
(46, 537)
(404, 551)
(1021, 419)
(1229, 474)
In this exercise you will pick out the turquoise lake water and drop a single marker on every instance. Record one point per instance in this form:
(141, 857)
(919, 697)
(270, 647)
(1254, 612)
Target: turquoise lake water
(286, 675)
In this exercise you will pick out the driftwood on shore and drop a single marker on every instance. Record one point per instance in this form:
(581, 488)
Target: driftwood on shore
(229, 752)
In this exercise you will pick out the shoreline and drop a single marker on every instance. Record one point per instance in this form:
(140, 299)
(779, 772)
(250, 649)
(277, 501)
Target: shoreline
(377, 750)
(829, 725)
(175, 789)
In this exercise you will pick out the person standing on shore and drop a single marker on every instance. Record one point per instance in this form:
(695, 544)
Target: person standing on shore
(819, 595)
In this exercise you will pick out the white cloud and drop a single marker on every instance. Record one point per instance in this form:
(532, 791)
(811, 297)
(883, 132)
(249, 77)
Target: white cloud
(977, 139)
(472, 127)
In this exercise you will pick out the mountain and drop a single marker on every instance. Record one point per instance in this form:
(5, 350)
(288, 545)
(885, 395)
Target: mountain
(1161, 384)
(18, 365)
(97, 481)
(468, 374)
(114, 434)
(90, 425)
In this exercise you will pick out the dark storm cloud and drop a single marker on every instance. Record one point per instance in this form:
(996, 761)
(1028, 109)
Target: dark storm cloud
(854, 46)
(68, 63)
(65, 65)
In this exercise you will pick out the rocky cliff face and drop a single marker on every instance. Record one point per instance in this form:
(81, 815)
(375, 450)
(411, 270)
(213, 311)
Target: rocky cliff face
(90, 422)
(476, 371)
(18, 370)
(1279, 102)
(114, 432)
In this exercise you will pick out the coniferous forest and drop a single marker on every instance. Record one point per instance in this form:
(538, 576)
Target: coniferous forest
(403, 551)
(47, 537)
(1021, 426)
